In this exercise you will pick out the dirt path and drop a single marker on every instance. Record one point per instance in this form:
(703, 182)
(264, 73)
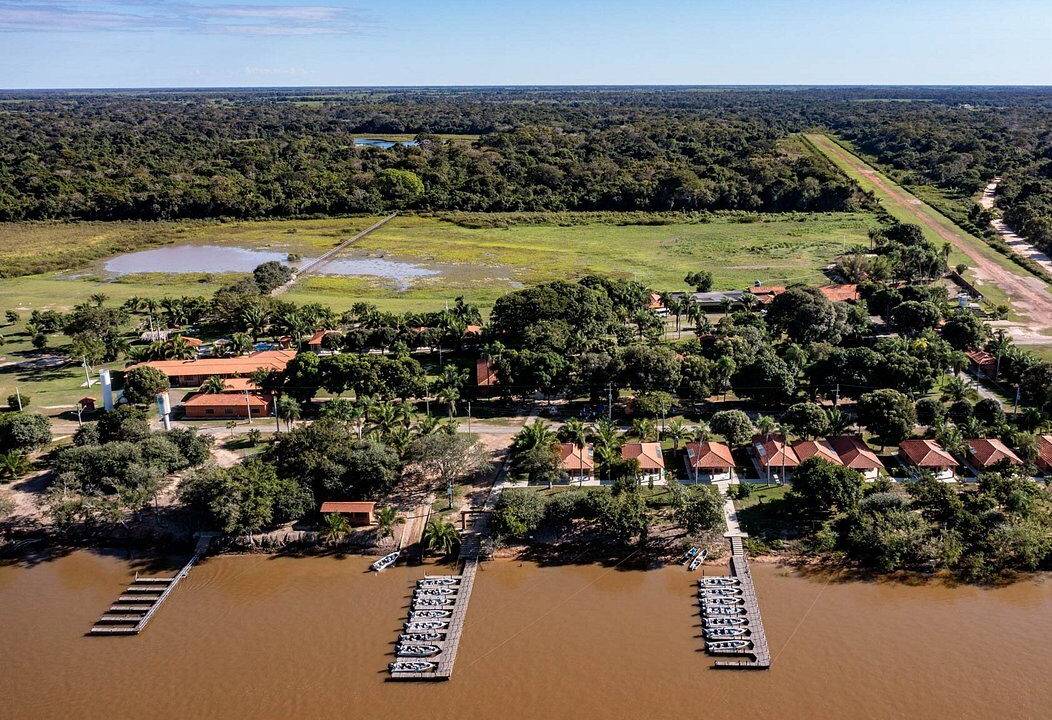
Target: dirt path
(1018, 243)
(1031, 297)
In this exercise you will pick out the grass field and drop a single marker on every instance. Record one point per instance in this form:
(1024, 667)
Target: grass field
(479, 263)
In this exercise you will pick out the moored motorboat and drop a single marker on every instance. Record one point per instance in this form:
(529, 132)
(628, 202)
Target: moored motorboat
(726, 621)
(722, 601)
(426, 626)
(422, 637)
(422, 650)
(417, 615)
(722, 610)
(411, 666)
(719, 580)
(728, 646)
(436, 591)
(440, 580)
(435, 601)
(725, 632)
(386, 561)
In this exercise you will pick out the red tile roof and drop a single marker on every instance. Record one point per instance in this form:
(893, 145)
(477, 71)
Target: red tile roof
(237, 384)
(347, 507)
(926, 453)
(982, 359)
(574, 459)
(773, 452)
(1044, 452)
(648, 454)
(986, 452)
(840, 293)
(319, 335)
(242, 365)
(854, 453)
(766, 293)
(226, 400)
(473, 330)
(806, 449)
(707, 455)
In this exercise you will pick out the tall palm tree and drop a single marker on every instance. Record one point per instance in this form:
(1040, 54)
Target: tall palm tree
(242, 343)
(449, 396)
(701, 432)
(288, 410)
(576, 432)
(384, 417)
(677, 432)
(386, 518)
(441, 536)
(336, 528)
(213, 385)
(645, 429)
(999, 344)
(605, 434)
(954, 389)
(767, 426)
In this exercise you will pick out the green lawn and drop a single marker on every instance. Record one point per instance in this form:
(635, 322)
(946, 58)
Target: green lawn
(479, 263)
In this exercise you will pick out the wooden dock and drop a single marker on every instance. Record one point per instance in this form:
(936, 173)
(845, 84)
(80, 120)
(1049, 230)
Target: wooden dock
(757, 657)
(139, 602)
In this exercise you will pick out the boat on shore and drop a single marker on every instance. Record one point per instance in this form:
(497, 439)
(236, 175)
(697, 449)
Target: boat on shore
(697, 561)
(386, 561)
(689, 555)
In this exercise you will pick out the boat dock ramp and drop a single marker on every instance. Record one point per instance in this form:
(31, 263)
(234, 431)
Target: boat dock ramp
(136, 606)
(730, 611)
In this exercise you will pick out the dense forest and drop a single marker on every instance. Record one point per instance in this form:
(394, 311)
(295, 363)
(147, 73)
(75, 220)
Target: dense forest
(291, 153)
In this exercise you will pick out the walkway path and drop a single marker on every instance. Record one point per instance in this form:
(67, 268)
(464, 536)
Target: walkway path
(1020, 245)
(320, 262)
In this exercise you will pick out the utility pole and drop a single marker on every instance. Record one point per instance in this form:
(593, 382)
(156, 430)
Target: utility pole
(609, 401)
(836, 396)
(469, 416)
(18, 396)
(277, 420)
(1015, 408)
(248, 407)
(87, 374)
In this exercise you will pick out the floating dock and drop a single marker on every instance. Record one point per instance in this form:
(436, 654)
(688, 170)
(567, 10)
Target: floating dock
(135, 607)
(758, 656)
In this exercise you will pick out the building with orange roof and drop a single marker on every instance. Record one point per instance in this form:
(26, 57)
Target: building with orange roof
(807, 449)
(357, 513)
(212, 406)
(650, 458)
(774, 455)
(981, 363)
(709, 461)
(984, 453)
(766, 293)
(929, 455)
(845, 292)
(577, 463)
(857, 455)
(317, 340)
(191, 373)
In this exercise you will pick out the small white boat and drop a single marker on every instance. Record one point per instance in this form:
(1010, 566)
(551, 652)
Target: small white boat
(436, 591)
(719, 592)
(727, 646)
(424, 650)
(728, 621)
(723, 610)
(435, 601)
(722, 602)
(386, 561)
(725, 632)
(417, 615)
(719, 580)
(421, 637)
(697, 561)
(690, 554)
(426, 626)
(438, 581)
(411, 666)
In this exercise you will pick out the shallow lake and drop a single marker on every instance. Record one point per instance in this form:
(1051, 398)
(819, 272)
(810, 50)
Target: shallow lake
(279, 637)
(383, 144)
(221, 258)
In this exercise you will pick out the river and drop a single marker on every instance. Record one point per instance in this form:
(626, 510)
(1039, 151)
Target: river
(271, 637)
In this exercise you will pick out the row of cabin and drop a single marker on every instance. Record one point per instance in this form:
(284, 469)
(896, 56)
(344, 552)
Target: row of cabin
(578, 463)
(774, 455)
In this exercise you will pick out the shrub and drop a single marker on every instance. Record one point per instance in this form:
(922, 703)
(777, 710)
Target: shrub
(517, 513)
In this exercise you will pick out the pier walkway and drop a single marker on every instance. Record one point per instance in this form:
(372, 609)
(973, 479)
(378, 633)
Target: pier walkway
(135, 607)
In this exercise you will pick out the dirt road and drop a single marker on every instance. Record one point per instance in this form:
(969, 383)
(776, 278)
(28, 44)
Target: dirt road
(1031, 297)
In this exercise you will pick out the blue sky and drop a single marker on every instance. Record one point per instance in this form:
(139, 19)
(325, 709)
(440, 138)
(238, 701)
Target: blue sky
(161, 43)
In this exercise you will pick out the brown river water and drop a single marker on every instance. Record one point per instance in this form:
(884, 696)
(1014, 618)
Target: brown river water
(267, 638)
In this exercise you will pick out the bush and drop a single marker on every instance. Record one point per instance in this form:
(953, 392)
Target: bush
(12, 401)
(702, 509)
(23, 431)
(930, 411)
(141, 384)
(517, 513)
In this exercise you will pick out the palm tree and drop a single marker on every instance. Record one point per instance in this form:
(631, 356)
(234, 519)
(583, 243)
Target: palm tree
(606, 456)
(13, 465)
(384, 417)
(288, 410)
(999, 344)
(675, 304)
(449, 396)
(576, 432)
(838, 421)
(441, 536)
(427, 426)
(605, 434)
(242, 343)
(533, 435)
(701, 432)
(767, 426)
(386, 518)
(336, 528)
(954, 389)
(645, 429)
(213, 385)
(677, 432)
